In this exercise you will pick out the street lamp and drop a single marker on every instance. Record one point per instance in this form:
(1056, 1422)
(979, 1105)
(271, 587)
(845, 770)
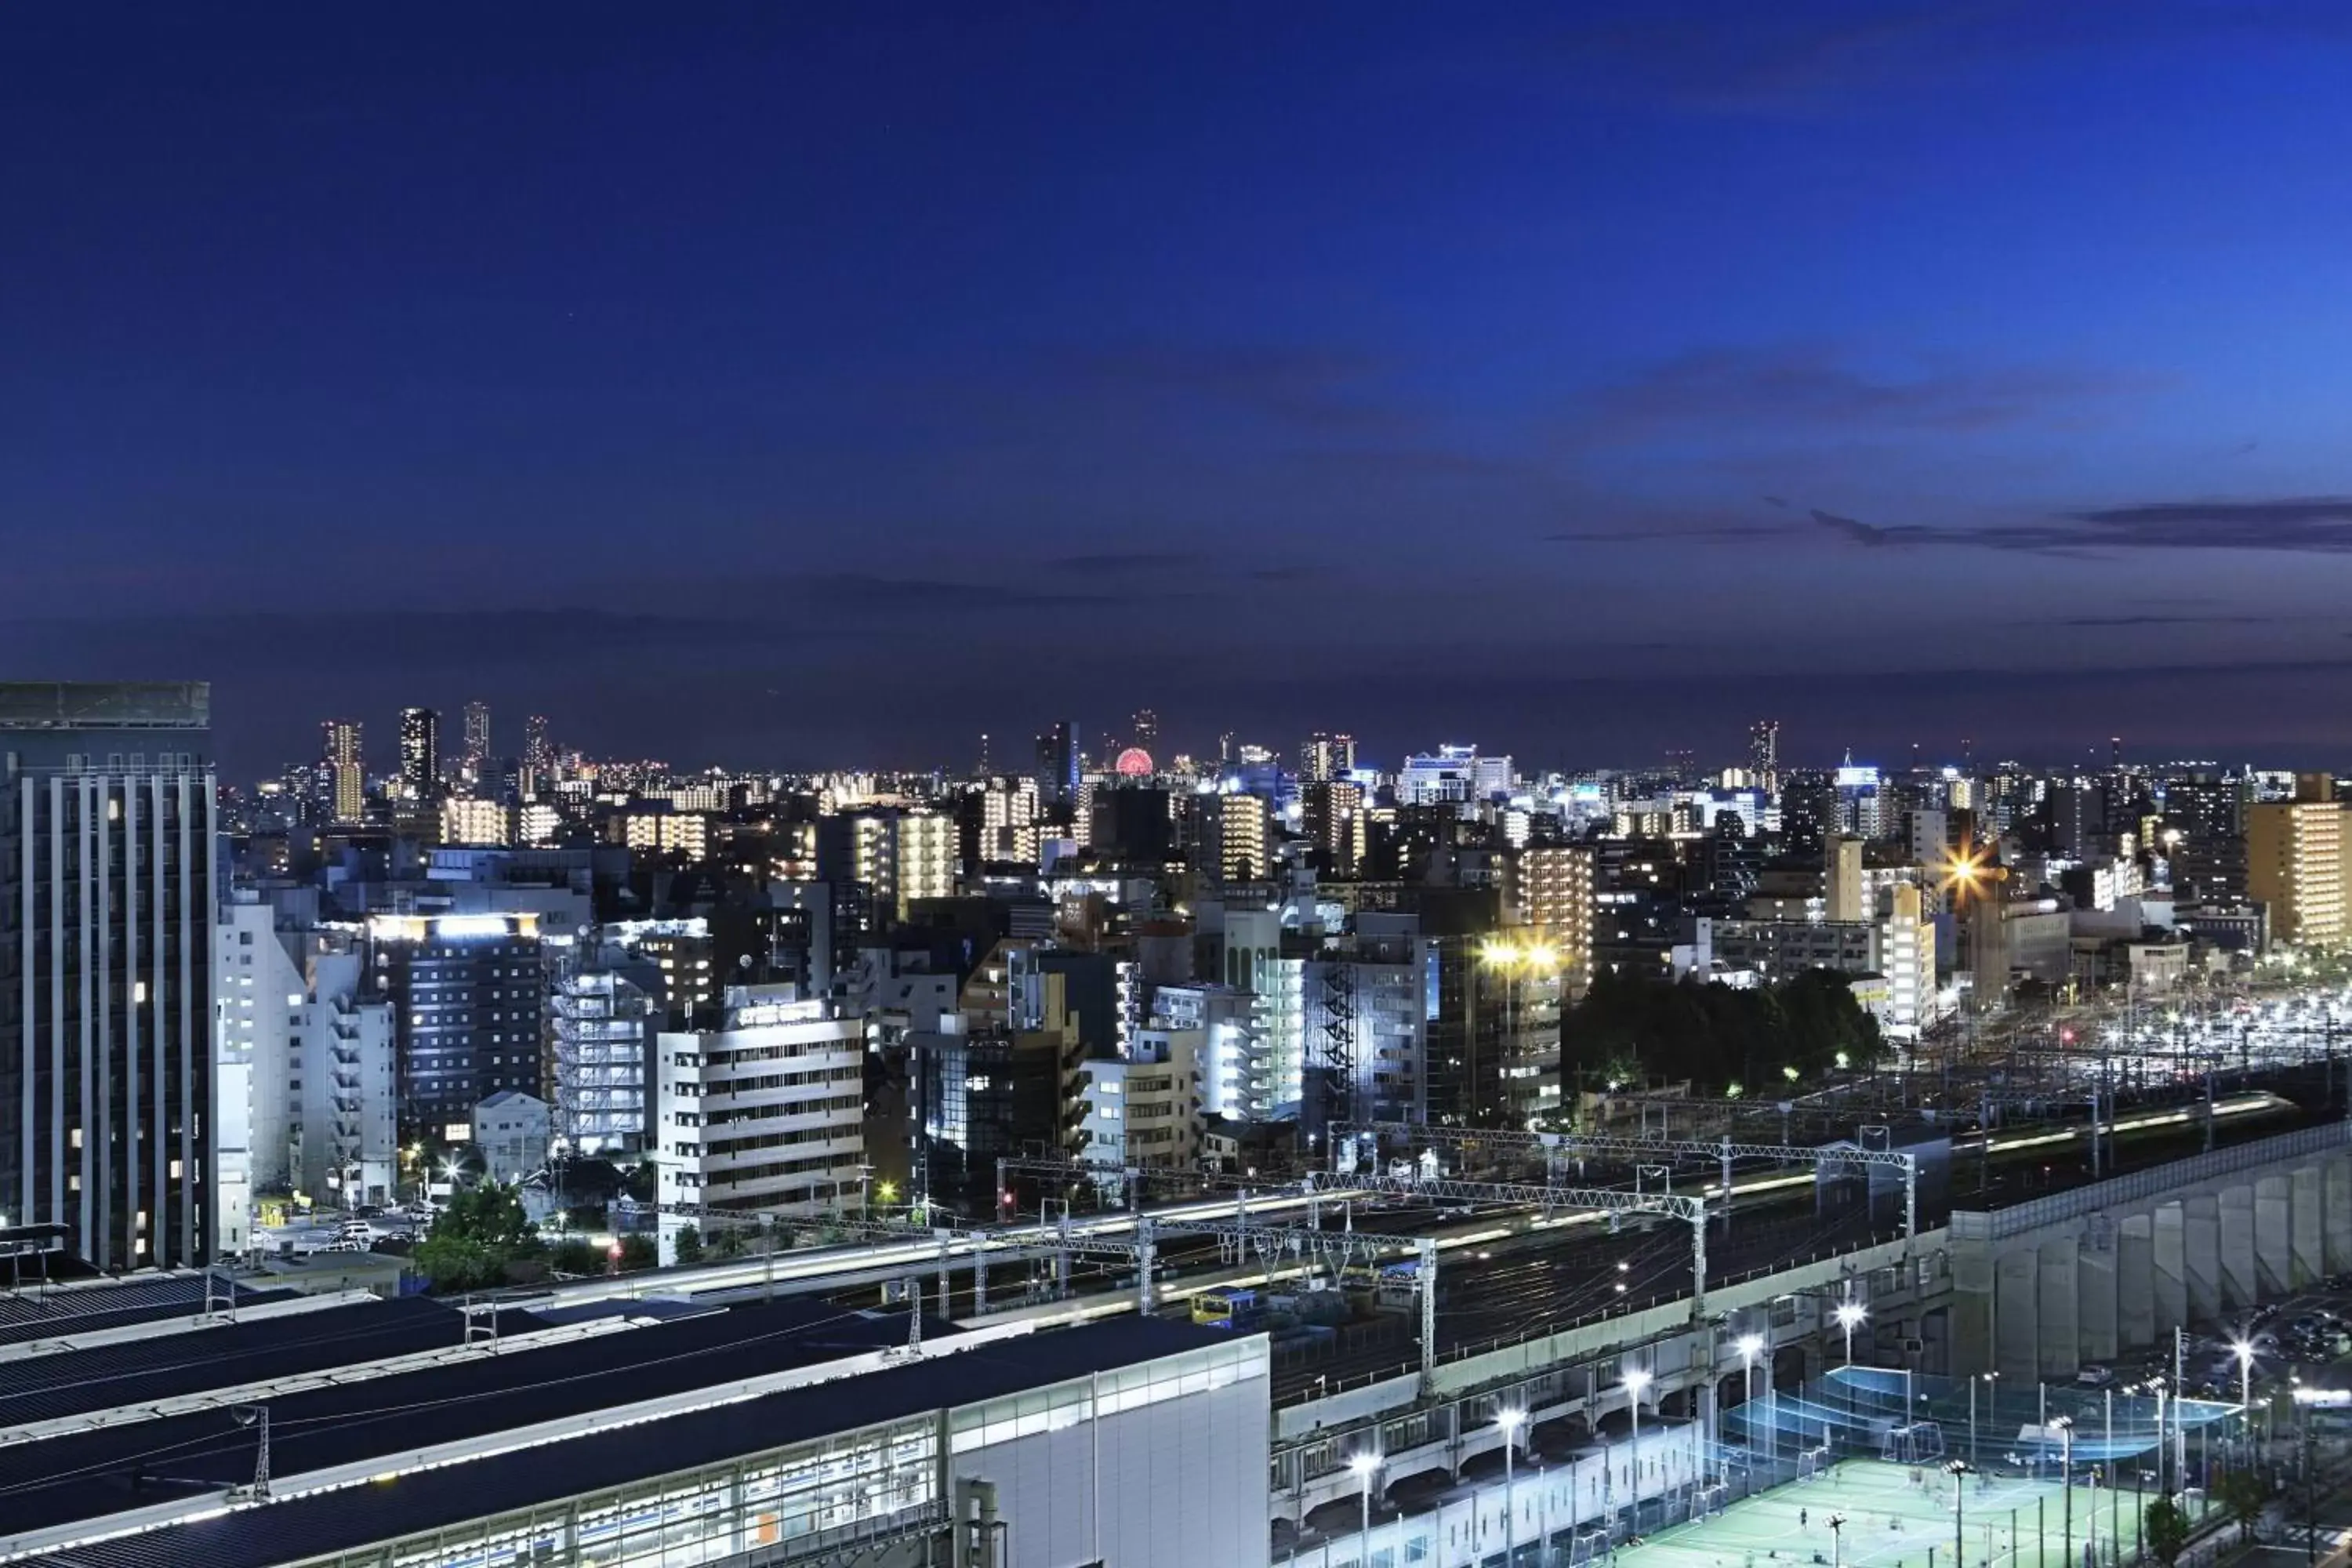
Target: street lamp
(1509, 1422)
(1636, 1379)
(1837, 1541)
(1366, 1463)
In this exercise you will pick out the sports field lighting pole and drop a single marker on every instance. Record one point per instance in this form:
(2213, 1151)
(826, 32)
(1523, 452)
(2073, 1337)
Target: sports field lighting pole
(1837, 1541)
(2066, 1424)
(1958, 1470)
(1748, 1345)
(1366, 1463)
(1509, 1422)
(1993, 1384)
(1849, 1313)
(2244, 1352)
(1636, 1379)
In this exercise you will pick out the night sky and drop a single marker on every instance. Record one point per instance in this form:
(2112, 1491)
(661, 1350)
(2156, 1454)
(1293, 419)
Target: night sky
(799, 384)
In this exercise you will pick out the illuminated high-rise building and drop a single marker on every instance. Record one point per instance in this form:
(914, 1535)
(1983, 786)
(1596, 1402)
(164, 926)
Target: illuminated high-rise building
(1327, 757)
(1332, 814)
(2295, 864)
(420, 753)
(1764, 754)
(1057, 763)
(477, 739)
(1146, 729)
(343, 769)
(538, 755)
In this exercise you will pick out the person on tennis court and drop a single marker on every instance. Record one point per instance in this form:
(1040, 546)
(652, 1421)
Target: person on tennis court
(1803, 1519)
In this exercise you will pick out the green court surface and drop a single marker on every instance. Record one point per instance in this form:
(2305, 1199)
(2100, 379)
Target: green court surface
(1894, 1516)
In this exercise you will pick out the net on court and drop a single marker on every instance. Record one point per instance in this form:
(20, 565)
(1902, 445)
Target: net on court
(1893, 1514)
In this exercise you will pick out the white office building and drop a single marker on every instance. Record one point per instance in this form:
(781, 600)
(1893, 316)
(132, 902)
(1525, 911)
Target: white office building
(1143, 1111)
(303, 1075)
(1454, 775)
(765, 1112)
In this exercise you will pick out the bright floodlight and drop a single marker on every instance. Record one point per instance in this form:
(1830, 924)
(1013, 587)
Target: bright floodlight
(2243, 1351)
(1510, 1420)
(1751, 1344)
(1850, 1314)
(1636, 1379)
(1364, 1464)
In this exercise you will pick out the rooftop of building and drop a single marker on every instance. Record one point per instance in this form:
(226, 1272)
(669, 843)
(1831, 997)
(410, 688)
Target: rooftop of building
(105, 705)
(388, 1422)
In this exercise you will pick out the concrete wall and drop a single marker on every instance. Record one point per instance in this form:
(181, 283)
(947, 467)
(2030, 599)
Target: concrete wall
(2086, 1275)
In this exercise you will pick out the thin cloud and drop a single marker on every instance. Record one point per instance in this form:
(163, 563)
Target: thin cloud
(1812, 386)
(1124, 563)
(1666, 535)
(1320, 391)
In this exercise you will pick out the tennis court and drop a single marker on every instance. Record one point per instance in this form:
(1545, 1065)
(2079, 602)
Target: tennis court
(1895, 1516)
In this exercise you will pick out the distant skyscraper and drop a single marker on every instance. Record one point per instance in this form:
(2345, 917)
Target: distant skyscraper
(343, 769)
(477, 739)
(420, 753)
(1058, 763)
(1326, 757)
(1147, 729)
(1764, 753)
(538, 755)
(106, 909)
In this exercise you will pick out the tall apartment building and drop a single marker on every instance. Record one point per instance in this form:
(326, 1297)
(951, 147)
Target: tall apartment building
(1333, 816)
(468, 990)
(1235, 840)
(1057, 763)
(1366, 1026)
(1326, 757)
(766, 1111)
(305, 1097)
(420, 754)
(343, 769)
(1555, 895)
(478, 741)
(1764, 754)
(467, 819)
(895, 856)
(601, 1029)
(2204, 839)
(106, 909)
(537, 757)
(2295, 863)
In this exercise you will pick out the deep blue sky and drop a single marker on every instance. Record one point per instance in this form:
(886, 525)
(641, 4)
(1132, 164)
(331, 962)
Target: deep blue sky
(799, 384)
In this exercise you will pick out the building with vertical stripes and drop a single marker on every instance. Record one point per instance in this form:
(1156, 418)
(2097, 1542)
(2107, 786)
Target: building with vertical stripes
(107, 878)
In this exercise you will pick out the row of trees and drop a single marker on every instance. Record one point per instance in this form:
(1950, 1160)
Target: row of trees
(1632, 1029)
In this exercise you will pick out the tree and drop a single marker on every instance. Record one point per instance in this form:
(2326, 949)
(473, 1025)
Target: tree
(2241, 1493)
(639, 1252)
(573, 1256)
(690, 1245)
(2164, 1528)
(481, 1231)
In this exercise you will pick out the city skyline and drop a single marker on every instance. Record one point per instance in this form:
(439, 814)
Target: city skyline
(1599, 382)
